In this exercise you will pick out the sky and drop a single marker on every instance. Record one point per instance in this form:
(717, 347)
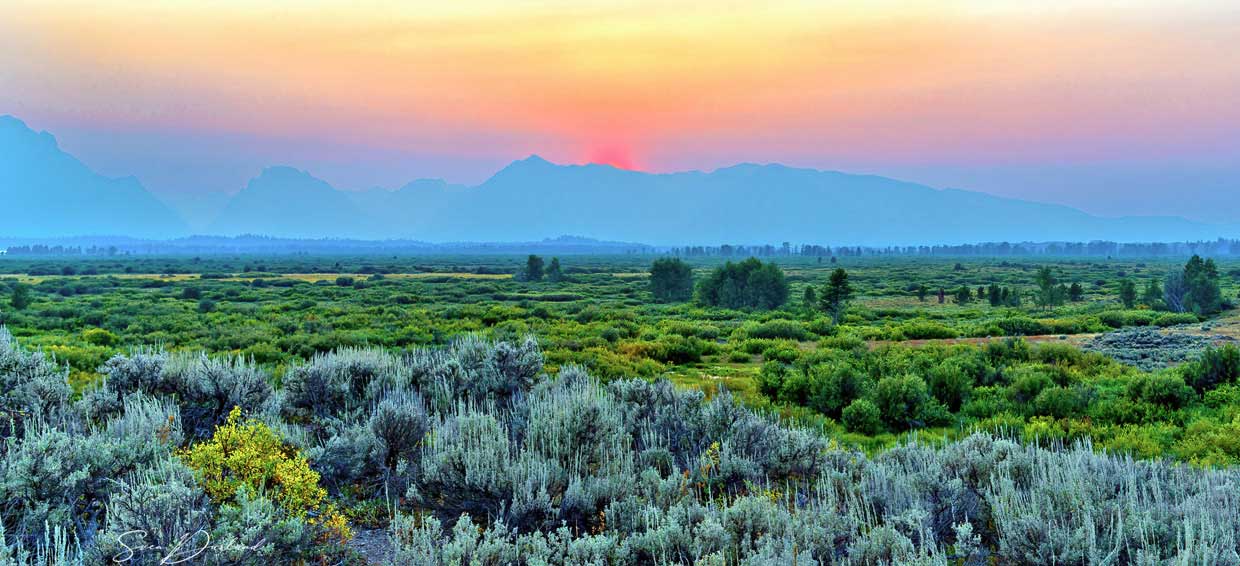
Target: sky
(1117, 108)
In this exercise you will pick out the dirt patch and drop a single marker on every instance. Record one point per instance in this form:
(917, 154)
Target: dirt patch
(375, 545)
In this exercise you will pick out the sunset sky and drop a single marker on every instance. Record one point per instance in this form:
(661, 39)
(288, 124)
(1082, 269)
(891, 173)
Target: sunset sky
(1114, 107)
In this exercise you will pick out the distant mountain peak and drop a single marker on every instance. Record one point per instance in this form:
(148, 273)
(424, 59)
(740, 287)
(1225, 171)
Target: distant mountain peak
(17, 130)
(54, 194)
(534, 159)
(9, 121)
(284, 172)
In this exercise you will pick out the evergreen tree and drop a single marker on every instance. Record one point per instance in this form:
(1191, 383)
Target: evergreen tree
(963, 295)
(921, 292)
(534, 268)
(1127, 293)
(994, 294)
(554, 273)
(1201, 279)
(20, 298)
(1050, 292)
(810, 299)
(836, 295)
(1076, 293)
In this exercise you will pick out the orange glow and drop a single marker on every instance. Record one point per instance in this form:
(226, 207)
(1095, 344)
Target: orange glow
(614, 155)
(906, 80)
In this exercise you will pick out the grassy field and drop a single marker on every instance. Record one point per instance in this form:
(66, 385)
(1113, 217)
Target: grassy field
(283, 309)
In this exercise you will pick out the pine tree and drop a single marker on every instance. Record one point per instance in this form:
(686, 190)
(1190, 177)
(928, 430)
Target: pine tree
(554, 274)
(534, 268)
(836, 295)
(1127, 293)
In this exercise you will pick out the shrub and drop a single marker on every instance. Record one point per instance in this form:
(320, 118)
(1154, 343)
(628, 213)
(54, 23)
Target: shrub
(1175, 318)
(1120, 319)
(342, 381)
(951, 382)
(1028, 383)
(1060, 402)
(925, 329)
(1022, 326)
(32, 386)
(783, 352)
(901, 400)
(253, 529)
(210, 387)
(1216, 366)
(247, 456)
(100, 337)
(833, 386)
(770, 379)
(862, 416)
(778, 329)
(399, 423)
(155, 510)
(1165, 389)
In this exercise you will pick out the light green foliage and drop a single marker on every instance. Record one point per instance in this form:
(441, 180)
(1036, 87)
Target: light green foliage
(399, 396)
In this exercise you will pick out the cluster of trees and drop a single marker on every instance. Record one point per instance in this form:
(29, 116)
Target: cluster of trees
(1052, 292)
(748, 284)
(671, 280)
(537, 270)
(1193, 289)
(471, 455)
(997, 295)
(989, 249)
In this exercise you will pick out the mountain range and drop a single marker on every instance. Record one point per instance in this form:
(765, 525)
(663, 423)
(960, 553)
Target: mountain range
(48, 192)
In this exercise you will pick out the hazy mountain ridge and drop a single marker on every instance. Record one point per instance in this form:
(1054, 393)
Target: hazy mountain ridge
(47, 192)
(533, 198)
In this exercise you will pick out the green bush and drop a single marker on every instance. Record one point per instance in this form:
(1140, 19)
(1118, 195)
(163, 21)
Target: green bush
(925, 330)
(1028, 382)
(1176, 318)
(778, 329)
(1022, 326)
(1165, 389)
(770, 379)
(100, 337)
(1060, 402)
(901, 400)
(834, 386)
(1120, 319)
(1215, 367)
(863, 417)
(783, 352)
(951, 382)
